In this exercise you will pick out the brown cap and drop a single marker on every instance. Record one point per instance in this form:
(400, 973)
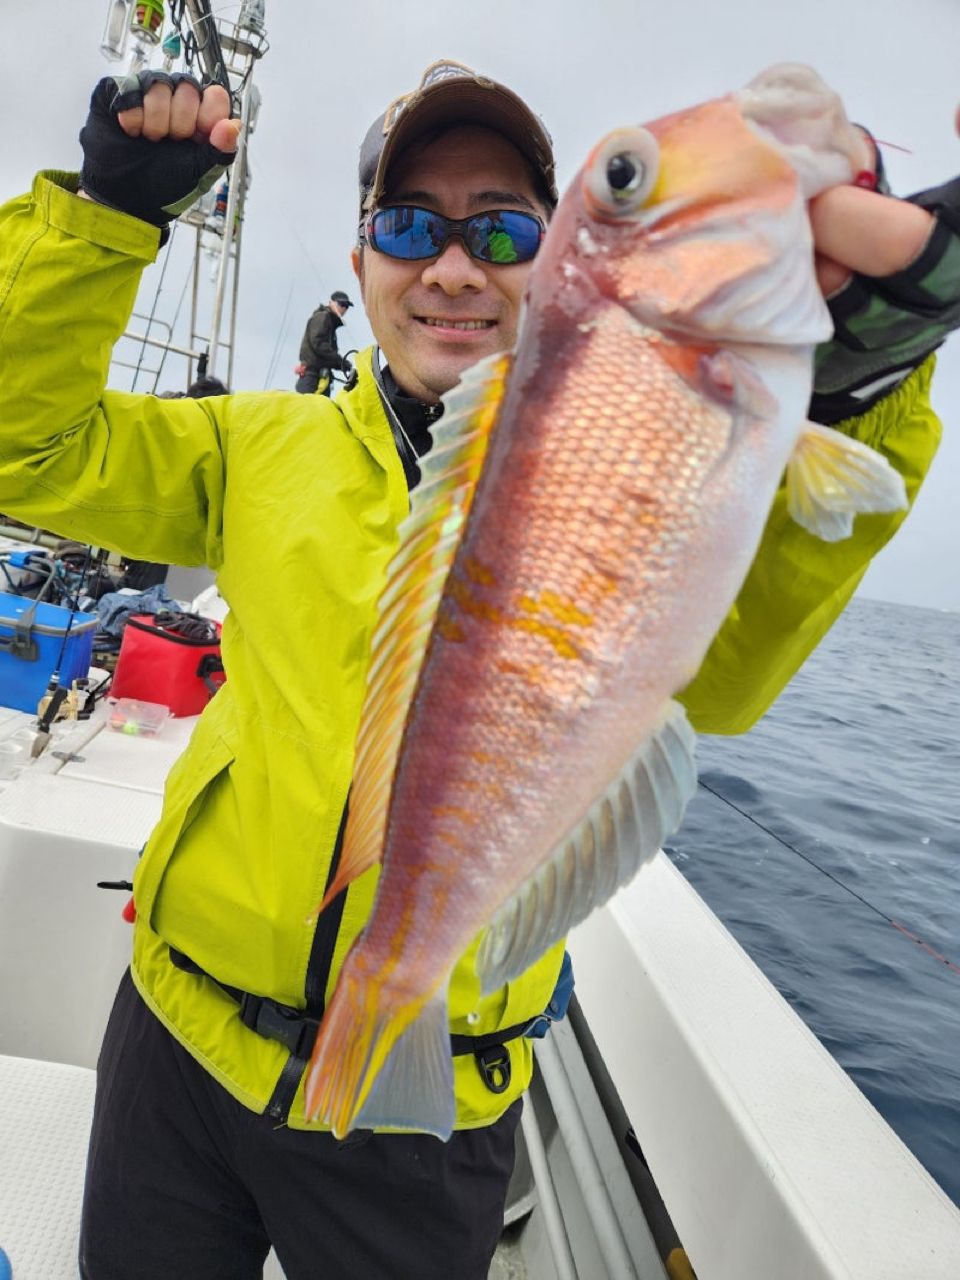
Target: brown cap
(451, 94)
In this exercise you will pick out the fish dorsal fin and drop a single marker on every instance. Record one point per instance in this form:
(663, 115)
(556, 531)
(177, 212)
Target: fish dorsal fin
(408, 605)
(622, 829)
(831, 478)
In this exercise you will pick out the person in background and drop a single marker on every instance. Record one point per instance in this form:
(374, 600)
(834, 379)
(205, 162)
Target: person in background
(201, 1154)
(318, 350)
(205, 386)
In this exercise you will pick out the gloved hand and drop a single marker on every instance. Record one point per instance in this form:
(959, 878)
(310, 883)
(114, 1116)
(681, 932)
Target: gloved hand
(350, 375)
(154, 143)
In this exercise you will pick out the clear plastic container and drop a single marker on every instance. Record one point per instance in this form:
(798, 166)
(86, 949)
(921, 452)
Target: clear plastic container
(136, 718)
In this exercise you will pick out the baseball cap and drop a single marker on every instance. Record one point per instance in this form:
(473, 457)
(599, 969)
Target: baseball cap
(449, 94)
(339, 296)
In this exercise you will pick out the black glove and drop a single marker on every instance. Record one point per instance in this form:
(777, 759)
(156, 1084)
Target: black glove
(155, 181)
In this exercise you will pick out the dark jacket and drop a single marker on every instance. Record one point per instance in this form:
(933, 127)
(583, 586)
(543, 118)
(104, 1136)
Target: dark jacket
(318, 350)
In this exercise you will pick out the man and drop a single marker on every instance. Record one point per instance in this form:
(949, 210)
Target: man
(200, 1154)
(318, 350)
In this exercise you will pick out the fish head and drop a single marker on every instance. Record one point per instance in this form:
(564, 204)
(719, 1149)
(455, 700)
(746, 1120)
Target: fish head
(696, 223)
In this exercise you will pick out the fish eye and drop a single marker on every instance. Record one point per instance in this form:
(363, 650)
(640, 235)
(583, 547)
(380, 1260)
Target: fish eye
(622, 172)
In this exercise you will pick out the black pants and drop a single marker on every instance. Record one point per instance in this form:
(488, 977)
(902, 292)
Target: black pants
(313, 380)
(184, 1183)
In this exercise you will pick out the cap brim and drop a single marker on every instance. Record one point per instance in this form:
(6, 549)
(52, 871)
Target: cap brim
(463, 101)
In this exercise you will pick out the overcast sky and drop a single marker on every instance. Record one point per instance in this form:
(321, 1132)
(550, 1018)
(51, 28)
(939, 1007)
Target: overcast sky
(584, 67)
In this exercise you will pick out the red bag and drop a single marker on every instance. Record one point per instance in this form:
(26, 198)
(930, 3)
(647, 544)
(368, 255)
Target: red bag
(170, 658)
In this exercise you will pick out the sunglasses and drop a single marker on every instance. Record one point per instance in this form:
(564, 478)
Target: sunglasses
(500, 236)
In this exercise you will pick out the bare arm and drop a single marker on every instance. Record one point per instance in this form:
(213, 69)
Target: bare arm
(859, 230)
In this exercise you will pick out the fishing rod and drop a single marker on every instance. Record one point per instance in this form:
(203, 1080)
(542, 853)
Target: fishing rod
(902, 929)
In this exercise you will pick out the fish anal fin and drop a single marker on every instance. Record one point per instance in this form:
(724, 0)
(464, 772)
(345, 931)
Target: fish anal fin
(726, 379)
(831, 478)
(622, 829)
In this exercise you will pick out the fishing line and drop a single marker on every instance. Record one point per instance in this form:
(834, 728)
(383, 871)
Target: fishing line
(924, 946)
(55, 676)
(278, 345)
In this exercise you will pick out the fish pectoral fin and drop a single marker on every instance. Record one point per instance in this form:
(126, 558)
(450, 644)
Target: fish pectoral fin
(622, 829)
(414, 1089)
(831, 478)
(733, 381)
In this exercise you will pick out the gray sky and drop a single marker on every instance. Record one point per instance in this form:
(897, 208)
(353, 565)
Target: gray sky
(585, 67)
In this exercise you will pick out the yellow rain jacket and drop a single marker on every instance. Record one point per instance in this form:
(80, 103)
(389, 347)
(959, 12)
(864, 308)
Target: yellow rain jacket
(295, 502)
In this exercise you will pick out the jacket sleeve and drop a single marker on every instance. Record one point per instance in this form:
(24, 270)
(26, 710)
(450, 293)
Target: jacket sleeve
(798, 585)
(320, 340)
(127, 472)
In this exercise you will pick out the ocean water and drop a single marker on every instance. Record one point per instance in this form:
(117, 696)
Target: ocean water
(857, 767)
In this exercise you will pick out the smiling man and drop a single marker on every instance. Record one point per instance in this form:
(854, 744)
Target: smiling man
(454, 294)
(201, 1155)
(456, 188)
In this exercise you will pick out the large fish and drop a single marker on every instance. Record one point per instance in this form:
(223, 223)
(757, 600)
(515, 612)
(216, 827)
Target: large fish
(587, 515)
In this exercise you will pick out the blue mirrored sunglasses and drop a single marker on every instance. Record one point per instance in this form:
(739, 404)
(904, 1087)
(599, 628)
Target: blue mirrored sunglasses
(500, 236)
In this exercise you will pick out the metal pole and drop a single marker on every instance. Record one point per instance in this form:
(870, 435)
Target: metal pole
(208, 41)
(236, 186)
(193, 302)
(160, 342)
(583, 1158)
(566, 1268)
(233, 308)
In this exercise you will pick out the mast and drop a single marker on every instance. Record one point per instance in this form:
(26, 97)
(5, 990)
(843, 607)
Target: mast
(215, 50)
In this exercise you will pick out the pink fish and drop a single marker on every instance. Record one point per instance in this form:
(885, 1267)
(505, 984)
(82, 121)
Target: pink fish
(587, 515)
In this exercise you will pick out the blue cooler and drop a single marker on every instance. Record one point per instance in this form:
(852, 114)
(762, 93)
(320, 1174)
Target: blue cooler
(31, 636)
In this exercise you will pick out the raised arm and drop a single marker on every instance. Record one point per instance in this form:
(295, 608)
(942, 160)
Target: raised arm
(118, 470)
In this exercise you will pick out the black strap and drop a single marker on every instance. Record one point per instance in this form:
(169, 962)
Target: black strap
(21, 643)
(404, 445)
(210, 665)
(298, 1029)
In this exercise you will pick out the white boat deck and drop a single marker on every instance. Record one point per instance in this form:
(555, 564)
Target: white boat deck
(773, 1166)
(64, 825)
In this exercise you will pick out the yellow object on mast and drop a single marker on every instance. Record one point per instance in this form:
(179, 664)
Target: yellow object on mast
(143, 19)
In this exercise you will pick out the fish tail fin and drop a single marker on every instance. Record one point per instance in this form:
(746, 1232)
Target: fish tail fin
(381, 1061)
(831, 478)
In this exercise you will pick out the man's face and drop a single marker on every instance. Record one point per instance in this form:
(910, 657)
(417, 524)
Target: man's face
(435, 318)
(338, 308)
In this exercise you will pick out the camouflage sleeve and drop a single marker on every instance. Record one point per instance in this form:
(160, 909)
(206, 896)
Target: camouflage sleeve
(886, 327)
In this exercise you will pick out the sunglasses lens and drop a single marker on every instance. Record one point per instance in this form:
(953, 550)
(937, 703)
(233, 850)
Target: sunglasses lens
(408, 233)
(504, 237)
(414, 234)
